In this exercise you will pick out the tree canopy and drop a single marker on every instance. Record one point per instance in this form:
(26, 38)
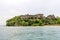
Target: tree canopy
(17, 21)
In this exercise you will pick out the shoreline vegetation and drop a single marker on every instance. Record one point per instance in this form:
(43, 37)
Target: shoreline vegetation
(33, 20)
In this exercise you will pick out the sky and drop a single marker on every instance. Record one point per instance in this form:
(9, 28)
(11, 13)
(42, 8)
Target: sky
(11, 8)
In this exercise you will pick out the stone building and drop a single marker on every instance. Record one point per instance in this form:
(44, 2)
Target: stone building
(25, 16)
(51, 16)
(37, 16)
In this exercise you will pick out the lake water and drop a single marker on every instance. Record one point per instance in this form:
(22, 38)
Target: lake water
(30, 33)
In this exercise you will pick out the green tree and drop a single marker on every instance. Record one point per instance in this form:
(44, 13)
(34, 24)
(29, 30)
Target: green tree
(35, 24)
(58, 20)
(23, 23)
(40, 23)
(10, 23)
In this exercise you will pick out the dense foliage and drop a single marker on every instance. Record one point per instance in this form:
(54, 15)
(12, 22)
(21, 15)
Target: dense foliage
(17, 21)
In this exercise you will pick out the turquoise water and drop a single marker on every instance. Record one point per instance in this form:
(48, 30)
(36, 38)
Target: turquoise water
(30, 33)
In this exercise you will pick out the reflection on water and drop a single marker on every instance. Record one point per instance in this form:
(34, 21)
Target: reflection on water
(30, 33)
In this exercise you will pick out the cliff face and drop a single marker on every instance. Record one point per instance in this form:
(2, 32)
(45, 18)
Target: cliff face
(33, 20)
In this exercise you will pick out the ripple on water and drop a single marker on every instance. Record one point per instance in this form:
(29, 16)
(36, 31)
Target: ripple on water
(30, 33)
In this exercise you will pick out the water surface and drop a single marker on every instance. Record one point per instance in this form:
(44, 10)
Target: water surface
(30, 33)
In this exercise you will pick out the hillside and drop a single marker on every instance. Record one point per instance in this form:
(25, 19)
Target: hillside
(33, 20)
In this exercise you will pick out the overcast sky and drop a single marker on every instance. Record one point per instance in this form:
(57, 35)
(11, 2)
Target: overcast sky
(11, 8)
